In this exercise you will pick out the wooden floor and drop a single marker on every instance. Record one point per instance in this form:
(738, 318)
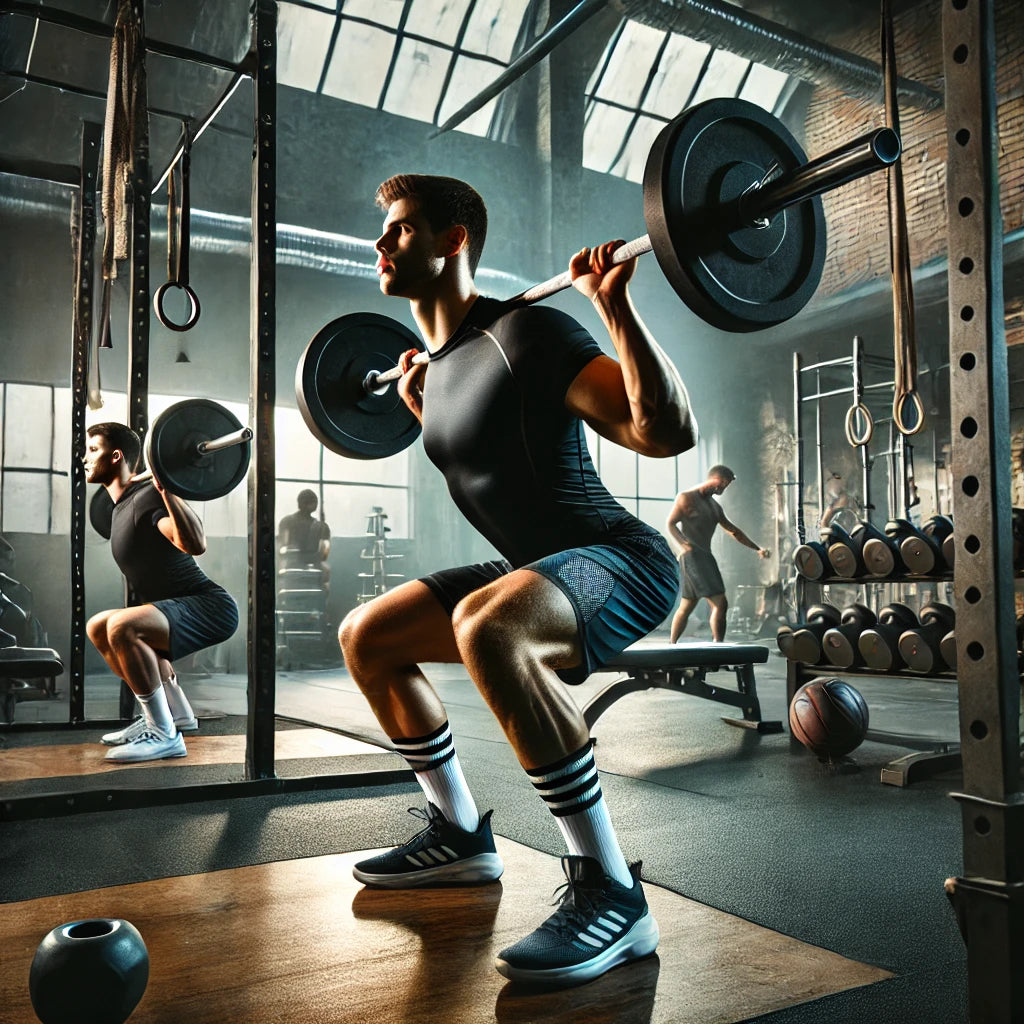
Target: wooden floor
(301, 942)
(47, 762)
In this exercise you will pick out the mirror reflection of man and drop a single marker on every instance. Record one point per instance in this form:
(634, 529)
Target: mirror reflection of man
(305, 540)
(691, 524)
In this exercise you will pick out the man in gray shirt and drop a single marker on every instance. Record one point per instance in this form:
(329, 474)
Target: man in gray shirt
(691, 524)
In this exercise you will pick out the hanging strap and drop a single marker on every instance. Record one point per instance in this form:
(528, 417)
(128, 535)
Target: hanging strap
(905, 394)
(178, 239)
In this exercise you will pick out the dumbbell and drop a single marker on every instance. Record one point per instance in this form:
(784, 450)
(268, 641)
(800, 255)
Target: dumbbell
(919, 645)
(805, 646)
(843, 551)
(839, 644)
(947, 648)
(922, 550)
(879, 644)
(811, 560)
(881, 554)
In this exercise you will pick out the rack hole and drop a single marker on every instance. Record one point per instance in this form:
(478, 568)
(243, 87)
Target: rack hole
(975, 651)
(979, 730)
(966, 265)
(959, 5)
(970, 486)
(982, 825)
(972, 545)
(967, 361)
(972, 595)
(967, 313)
(969, 426)
(965, 206)
(960, 53)
(963, 136)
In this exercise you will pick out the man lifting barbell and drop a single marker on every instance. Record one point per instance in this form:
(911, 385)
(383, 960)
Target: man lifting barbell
(502, 404)
(154, 537)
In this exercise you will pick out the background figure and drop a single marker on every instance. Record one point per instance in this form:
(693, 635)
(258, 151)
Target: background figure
(691, 524)
(304, 541)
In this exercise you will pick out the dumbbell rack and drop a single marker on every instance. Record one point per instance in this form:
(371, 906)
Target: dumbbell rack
(375, 582)
(933, 756)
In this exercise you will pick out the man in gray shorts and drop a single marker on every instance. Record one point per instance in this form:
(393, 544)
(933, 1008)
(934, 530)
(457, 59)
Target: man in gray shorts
(692, 523)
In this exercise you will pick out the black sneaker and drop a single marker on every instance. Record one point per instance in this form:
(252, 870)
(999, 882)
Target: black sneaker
(599, 925)
(440, 854)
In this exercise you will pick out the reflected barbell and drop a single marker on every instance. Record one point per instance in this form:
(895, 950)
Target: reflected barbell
(734, 218)
(198, 449)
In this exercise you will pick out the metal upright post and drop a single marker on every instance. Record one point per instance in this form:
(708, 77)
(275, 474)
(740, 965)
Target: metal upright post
(262, 643)
(85, 201)
(138, 305)
(798, 435)
(989, 898)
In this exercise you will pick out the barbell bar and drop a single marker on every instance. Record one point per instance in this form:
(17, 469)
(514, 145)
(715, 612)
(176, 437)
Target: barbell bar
(734, 217)
(753, 209)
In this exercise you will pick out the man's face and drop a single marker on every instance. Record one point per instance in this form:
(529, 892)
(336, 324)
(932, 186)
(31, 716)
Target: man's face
(409, 253)
(100, 461)
(719, 484)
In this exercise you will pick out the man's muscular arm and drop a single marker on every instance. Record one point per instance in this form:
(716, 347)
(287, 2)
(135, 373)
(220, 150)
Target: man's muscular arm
(181, 526)
(639, 402)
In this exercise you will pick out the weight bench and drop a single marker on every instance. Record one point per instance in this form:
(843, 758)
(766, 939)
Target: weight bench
(683, 668)
(17, 666)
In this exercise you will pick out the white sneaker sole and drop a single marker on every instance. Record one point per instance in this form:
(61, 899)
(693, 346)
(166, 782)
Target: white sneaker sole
(640, 941)
(484, 867)
(125, 755)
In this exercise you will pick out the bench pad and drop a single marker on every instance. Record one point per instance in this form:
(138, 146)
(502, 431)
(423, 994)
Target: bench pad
(687, 655)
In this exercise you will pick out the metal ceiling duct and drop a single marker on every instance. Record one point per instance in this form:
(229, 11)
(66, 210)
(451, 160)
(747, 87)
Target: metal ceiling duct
(228, 235)
(776, 46)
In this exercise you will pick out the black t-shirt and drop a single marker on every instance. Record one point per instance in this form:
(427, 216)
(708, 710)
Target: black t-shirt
(495, 424)
(154, 568)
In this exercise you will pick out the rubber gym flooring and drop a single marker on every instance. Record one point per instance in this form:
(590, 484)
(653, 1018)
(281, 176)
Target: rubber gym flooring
(785, 893)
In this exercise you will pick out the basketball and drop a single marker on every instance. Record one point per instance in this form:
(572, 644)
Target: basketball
(829, 717)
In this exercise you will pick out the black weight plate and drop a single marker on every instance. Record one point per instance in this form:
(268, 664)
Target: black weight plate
(330, 393)
(172, 450)
(744, 279)
(101, 511)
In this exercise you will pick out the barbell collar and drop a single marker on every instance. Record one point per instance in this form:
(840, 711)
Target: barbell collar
(872, 152)
(240, 436)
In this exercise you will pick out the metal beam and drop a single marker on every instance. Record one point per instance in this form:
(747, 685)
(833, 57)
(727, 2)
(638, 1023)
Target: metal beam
(989, 898)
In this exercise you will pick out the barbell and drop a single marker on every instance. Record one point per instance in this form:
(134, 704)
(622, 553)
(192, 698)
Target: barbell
(734, 218)
(197, 449)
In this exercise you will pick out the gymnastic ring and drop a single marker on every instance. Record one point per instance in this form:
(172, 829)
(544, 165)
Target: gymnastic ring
(898, 408)
(857, 440)
(158, 307)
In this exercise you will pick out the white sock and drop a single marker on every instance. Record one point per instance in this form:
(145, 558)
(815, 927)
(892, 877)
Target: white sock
(572, 791)
(433, 759)
(176, 699)
(157, 712)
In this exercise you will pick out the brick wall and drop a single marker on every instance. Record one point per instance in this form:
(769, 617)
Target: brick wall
(858, 242)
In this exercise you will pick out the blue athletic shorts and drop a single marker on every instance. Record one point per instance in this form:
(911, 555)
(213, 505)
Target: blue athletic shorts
(619, 591)
(198, 621)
